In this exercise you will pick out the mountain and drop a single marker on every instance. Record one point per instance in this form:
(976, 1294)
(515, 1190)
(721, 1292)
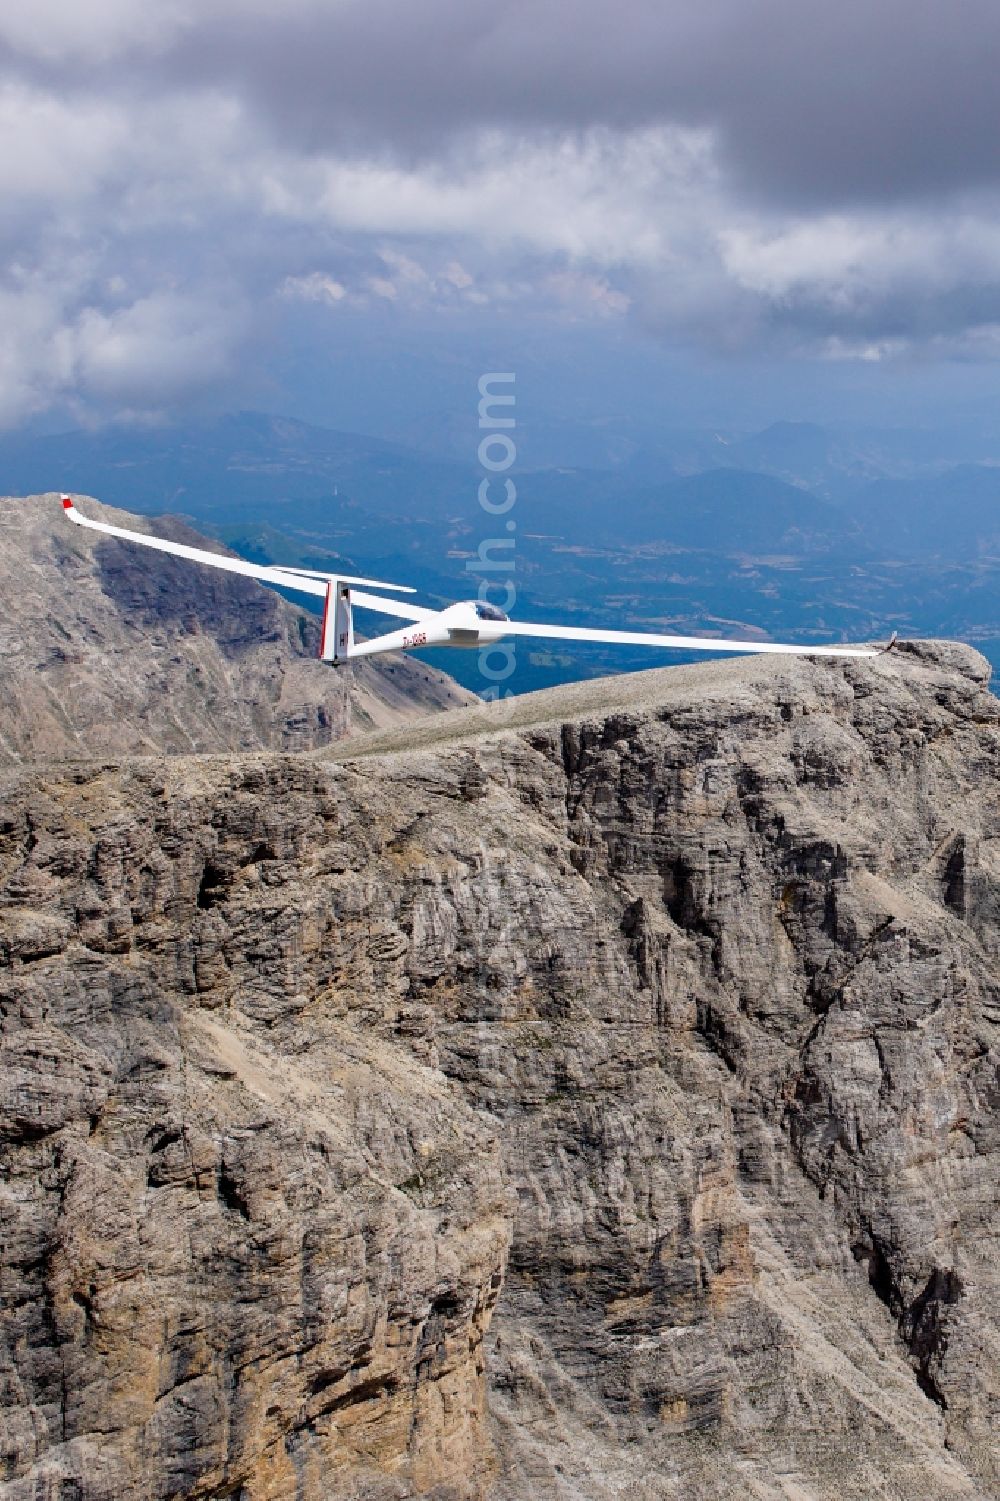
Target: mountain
(839, 464)
(728, 511)
(214, 471)
(250, 469)
(806, 455)
(108, 649)
(952, 513)
(593, 1097)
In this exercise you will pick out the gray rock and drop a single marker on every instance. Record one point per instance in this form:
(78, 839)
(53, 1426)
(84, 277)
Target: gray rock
(662, 1009)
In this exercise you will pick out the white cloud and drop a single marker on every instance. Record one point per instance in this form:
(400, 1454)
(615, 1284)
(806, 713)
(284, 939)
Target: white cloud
(59, 344)
(152, 348)
(381, 286)
(602, 197)
(316, 287)
(838, 259)
(94, 31)
(55, 152)
(456, 273)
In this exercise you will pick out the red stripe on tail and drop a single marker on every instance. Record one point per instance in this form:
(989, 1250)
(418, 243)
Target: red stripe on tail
(326, 617)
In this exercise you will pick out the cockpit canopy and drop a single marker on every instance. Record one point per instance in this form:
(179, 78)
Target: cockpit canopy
(489, 612)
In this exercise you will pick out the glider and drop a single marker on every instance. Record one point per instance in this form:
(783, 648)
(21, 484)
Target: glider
(470, 624)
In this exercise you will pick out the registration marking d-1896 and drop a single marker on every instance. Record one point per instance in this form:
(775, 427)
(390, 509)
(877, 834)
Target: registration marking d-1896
(416, 638)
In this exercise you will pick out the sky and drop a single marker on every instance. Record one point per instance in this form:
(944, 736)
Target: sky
(739, 209)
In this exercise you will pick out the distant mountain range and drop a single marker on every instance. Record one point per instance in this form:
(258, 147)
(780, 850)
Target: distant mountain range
(792, 483)
(221, 470)
(795, 530)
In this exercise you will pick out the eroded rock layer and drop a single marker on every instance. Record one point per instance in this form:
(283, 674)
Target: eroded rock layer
(659, 1017)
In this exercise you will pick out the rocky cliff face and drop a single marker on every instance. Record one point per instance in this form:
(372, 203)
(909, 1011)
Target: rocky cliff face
(597, 1102)
(108, 649)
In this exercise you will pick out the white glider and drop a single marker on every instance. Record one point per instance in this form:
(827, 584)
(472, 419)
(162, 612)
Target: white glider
(469, 624)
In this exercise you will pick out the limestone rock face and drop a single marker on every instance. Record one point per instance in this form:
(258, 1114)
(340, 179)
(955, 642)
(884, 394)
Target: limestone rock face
(108, 648)
(595, 1098)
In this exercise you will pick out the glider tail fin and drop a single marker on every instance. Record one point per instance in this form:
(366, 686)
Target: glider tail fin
(337, 637)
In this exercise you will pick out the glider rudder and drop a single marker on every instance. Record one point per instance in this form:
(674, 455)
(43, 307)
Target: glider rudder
(337, 635)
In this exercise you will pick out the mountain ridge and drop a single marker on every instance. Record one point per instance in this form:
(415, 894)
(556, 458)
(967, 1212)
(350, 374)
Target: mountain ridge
(599, 1101)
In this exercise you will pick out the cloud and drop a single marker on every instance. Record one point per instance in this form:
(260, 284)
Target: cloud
(316, 287)
(863, 101)
(53, 32)
(775, 176)
(72, 337)
(596, 196)
(151, 348)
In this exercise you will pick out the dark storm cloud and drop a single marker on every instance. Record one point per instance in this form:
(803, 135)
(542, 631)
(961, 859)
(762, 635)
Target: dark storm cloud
(799, 177)
(814, 103)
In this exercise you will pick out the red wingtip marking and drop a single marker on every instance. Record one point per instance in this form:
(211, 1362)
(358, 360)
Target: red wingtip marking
(67, 503)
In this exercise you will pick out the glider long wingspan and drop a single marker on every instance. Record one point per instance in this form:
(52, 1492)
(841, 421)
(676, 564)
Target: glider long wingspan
(467, 624)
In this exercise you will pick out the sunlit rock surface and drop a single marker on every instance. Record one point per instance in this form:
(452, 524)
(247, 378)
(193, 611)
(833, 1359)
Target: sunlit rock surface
(595, 1098)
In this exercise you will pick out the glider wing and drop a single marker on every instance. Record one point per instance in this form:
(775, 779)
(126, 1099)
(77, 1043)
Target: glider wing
(301, 580)
(678, 643)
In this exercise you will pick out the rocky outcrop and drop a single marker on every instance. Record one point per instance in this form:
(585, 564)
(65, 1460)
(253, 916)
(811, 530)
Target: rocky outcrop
(663, 1010)
(110, 649)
